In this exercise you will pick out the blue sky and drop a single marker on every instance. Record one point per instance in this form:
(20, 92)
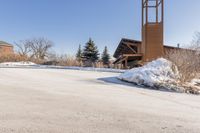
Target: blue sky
(69, 23)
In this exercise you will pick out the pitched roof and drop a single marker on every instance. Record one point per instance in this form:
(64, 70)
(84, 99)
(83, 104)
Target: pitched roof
(2, 43)
(120, 49)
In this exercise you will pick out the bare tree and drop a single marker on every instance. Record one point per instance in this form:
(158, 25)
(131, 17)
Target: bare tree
(40, 47)
(23, 48)
(195, 44)
(187, 60)
(36, 48)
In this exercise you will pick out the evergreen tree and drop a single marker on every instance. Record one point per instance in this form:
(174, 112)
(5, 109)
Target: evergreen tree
(105, 56)
(90, 52)
(79, 54)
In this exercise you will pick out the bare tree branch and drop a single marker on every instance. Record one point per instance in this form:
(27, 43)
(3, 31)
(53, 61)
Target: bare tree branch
(23, 48)
(37, 48)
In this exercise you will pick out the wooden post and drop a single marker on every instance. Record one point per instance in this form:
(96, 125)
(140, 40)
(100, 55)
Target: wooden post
(126, 63)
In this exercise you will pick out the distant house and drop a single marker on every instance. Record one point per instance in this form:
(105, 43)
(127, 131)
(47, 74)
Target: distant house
(6, 48)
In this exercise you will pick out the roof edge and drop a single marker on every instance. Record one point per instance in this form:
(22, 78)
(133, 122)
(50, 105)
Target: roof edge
(3, 43)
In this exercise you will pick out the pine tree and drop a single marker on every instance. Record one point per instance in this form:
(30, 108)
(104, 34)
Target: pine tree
(105, 56)
(90, 52)
(79, 54)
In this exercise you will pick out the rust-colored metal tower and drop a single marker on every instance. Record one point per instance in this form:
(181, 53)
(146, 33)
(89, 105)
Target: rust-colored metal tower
(152, 29)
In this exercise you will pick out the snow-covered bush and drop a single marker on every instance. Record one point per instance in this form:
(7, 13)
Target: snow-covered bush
(160, 73)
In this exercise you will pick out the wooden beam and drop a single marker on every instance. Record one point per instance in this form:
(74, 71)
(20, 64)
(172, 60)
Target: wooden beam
(131, 48)
(121, 60)
(133, 44)
(131, 55)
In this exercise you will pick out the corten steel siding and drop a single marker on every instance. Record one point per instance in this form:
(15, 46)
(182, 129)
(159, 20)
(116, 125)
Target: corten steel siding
(6, 49)
(152, 30)
(152, 44)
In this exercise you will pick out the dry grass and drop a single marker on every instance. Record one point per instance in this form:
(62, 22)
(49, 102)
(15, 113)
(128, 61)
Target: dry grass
(67, 60)
(12, 58)
(59, 60)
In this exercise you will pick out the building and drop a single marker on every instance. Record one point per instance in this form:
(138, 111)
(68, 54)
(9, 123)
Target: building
(129, 53)
(132, 52)
(6, 48)
(152, 29)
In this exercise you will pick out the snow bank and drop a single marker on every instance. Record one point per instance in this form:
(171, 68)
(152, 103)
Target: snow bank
(156, 74)
(193, 86)
(22, 63)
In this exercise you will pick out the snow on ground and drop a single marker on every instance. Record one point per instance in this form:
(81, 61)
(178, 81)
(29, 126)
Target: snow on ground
(86, 68)
(33, 65)
(157, 74)
(160, 74)
(71, 101)
(12, 64)
(195, 83)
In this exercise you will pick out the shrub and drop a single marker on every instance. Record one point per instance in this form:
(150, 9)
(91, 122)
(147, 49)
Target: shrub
(187, 62)
(67, 60)
(12, 58)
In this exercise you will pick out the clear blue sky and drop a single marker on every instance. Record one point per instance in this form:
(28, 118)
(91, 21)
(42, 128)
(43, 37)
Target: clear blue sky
(69, 23)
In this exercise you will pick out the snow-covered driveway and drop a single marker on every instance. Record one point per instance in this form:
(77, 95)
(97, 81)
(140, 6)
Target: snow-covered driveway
(71, 101)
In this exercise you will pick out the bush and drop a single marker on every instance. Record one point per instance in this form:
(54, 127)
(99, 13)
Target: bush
(67, 60)
(12, 58)
(187, 62)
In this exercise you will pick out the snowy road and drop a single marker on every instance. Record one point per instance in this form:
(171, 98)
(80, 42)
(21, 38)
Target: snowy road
(70, 101)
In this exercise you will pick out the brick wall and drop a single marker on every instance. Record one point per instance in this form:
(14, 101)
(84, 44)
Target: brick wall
(6, 49)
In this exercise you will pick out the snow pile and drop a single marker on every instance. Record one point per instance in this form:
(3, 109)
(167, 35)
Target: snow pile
(13, 64)
(160, 73)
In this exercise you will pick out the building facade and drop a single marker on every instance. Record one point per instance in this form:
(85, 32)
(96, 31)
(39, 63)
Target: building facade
(129, 53)
(6, 48)
(132, 52)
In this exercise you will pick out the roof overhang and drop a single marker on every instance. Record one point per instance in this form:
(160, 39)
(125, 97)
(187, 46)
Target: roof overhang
(123, 44)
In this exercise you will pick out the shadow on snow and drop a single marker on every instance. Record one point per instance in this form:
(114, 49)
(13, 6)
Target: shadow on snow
(116, 81)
